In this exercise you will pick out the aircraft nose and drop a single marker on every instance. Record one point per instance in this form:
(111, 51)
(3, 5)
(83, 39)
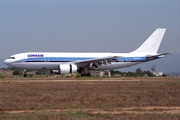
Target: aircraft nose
(6, 62)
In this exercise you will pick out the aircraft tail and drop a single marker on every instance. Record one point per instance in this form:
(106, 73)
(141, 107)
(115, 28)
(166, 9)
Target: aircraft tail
(151, 45)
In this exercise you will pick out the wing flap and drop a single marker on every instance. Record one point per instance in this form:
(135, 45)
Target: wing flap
(97, 62)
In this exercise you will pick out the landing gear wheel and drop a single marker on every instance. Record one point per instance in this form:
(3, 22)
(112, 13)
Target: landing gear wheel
(88, 74)
(85, 75)
(25, 75)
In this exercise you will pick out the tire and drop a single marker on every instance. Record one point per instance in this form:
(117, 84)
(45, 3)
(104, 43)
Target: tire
(25, 75)
(88, 74)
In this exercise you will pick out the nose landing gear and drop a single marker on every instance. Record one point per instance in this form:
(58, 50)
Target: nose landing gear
(25, 75)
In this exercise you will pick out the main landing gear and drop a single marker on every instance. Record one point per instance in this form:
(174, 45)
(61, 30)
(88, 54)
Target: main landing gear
(85, 73)
(25, 75)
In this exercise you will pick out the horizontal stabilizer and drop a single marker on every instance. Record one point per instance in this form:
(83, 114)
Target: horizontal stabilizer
(153, 56)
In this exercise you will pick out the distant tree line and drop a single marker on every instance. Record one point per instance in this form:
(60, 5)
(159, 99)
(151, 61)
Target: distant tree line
(20, 71)
(138, 72)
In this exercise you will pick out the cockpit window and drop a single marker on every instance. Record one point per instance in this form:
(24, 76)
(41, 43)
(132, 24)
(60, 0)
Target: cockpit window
(11, 57)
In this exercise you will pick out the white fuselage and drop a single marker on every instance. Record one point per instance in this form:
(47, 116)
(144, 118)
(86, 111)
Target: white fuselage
(52, 60)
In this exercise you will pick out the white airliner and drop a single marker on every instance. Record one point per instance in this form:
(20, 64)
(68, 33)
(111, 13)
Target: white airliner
(62, 63)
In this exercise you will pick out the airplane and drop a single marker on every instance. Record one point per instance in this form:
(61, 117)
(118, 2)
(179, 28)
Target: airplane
(64, 62)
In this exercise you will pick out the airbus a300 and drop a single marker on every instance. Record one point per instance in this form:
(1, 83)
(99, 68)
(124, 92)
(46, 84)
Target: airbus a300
(63, 62)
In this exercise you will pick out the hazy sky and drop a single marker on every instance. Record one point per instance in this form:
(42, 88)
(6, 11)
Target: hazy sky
(86, 25)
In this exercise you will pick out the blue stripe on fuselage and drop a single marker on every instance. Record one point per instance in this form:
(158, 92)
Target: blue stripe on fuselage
(71, 59)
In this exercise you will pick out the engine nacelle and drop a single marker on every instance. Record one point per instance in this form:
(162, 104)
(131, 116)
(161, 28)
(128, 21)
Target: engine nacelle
(67, 68)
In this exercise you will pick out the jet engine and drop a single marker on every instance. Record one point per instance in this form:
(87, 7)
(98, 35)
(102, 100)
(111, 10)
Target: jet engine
(67, 68)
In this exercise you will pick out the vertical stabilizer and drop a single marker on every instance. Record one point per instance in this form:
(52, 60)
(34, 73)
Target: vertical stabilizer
(151, 45)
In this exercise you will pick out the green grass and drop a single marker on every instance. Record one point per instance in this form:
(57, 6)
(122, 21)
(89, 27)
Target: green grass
(171, 84)
(2, 75)
(50, 115)
(84, 115)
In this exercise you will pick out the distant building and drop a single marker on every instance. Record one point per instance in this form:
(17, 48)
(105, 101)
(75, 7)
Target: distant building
(157, 73)
(109, 74)
(116, 75)
(97, 73)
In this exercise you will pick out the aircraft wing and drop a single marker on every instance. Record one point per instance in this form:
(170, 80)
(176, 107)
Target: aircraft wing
(153, 56)
(94, 63)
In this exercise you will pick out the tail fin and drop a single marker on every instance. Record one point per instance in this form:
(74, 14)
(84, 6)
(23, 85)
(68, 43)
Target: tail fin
(151, 45)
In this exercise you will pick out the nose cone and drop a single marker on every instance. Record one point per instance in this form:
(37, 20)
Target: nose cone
(7, 62)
